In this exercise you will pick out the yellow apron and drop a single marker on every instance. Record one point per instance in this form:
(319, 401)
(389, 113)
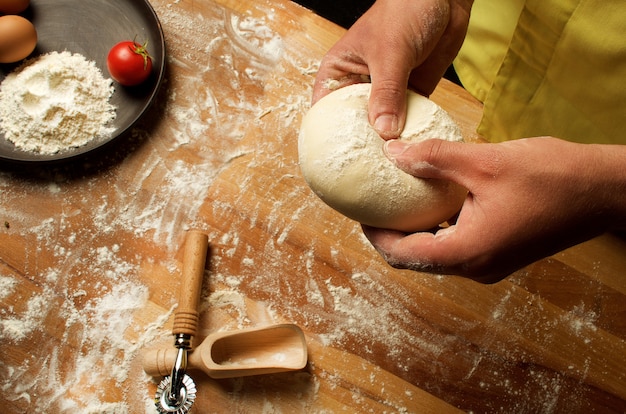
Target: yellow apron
(548, 67)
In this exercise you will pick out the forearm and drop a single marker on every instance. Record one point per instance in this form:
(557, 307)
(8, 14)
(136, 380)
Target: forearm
(609, 181)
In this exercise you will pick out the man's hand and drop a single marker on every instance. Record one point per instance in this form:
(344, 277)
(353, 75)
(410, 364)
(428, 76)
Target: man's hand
(397, 44)
(527, 199)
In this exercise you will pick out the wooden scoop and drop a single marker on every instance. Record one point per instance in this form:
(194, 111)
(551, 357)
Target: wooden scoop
(255, 351)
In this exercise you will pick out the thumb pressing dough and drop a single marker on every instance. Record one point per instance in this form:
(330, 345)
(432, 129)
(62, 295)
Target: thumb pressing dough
(342, 160)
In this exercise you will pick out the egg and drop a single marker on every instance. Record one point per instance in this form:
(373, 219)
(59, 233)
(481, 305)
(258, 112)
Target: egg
(18, 38)
(13, 6)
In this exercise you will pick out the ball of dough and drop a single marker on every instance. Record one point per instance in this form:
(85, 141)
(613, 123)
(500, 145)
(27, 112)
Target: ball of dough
(342, 160)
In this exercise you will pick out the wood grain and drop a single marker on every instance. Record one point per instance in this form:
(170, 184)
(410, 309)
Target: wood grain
(91, 257)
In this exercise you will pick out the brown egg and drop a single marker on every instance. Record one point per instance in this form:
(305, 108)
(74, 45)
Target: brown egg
(18, 38)
(13, 6)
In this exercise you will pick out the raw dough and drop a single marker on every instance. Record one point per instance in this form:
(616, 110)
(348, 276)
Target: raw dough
(342, 160)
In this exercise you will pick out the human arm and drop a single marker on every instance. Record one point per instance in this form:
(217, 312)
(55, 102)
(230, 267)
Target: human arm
(527, 199)
(396, 43)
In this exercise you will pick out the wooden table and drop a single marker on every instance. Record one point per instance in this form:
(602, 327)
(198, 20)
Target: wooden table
(90, 257)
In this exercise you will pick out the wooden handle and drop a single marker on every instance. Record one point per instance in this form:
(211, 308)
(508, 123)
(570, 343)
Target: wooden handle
(186, 315)
(159, 362)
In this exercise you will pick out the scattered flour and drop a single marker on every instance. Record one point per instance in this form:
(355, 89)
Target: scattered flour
(97, 320)
(17, 328)
(102, 319)
(55, 102)
(7, 285)
(258, 37)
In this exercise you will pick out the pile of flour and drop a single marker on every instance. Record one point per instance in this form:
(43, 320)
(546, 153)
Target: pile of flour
(55, 102)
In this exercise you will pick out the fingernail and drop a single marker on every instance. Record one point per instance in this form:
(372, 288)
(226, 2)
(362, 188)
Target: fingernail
(386, 123)
(395, 147)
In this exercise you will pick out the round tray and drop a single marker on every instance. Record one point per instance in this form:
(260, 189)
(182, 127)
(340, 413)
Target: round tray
(91, 28)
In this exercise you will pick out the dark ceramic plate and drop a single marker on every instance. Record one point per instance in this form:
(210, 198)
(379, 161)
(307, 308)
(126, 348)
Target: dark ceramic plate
(91, 28)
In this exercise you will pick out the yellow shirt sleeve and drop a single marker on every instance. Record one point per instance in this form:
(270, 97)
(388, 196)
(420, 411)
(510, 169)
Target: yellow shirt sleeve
(563, 72)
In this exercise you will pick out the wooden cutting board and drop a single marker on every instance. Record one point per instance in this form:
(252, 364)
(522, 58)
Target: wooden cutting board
(90, 258)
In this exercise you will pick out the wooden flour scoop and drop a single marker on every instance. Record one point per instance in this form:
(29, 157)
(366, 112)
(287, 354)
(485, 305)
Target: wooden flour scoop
(264, 350)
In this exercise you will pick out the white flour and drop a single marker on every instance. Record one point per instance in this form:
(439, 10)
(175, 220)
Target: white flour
(55, 102)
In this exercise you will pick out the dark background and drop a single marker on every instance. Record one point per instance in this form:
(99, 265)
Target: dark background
(342, 12)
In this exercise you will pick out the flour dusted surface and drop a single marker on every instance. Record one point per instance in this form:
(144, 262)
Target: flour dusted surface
(55, 102)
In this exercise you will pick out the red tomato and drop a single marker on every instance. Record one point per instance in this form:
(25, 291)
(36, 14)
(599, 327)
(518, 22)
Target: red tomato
(129, 63)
